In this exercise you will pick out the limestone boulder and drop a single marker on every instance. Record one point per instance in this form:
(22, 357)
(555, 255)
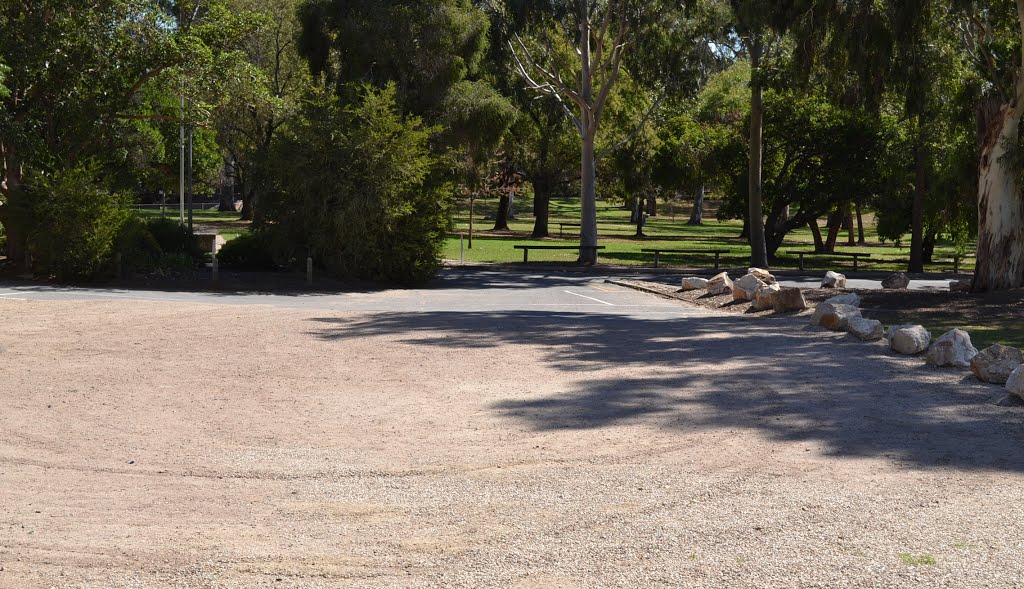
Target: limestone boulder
(909, 339)
(953, 348)
(719, 284)
(850, 298)
(995, 363)
(744, 288)
(833, 280)
(896, 281)
(764, 297)
(1015, 383)
(834, 317)
(762, 275)
(694, 283)
(869, 330)
(787, 299)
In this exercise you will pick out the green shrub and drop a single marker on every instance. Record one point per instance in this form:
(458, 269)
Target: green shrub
(357, 188)
(246, 252)
(174, 238)
(139, 249)
(76, 223)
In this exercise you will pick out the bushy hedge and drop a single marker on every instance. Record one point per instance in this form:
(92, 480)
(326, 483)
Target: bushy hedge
(247, 252)
(76, 224)
(357, 188)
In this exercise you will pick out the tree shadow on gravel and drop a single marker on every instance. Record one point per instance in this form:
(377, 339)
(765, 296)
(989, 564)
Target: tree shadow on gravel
(781, 379)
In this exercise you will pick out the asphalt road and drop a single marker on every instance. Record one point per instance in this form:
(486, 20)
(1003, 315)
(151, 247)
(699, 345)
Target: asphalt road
(452, 291)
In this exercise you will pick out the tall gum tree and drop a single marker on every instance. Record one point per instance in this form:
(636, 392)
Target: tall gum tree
(576, 55)
(1000, 254)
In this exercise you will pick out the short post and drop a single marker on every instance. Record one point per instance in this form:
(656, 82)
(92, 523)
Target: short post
(119, 265)
(462, 249)
(214, 269)
(956, 263)
(309, 270)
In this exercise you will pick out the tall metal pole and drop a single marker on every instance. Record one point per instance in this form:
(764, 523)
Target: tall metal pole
(181, 160)
(190, 129)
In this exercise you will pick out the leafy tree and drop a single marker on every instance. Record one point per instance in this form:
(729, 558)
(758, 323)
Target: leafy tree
(263, 96)
(353, 188)
(992, 35)
(71, 89)
(574, 51)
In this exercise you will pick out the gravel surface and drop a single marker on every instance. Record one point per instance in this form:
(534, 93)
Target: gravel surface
(184, 445)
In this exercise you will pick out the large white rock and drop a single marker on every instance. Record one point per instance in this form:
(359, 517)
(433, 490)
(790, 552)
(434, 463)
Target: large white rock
(834, 317)
(833, 280)
(953, 348)
(744, 288)
(762, 275)
(850, 298)
(897, 280)
(995, 363)
(764, 297)
(788, 298)
(869, 330)
(909, 339)
(1015, 382)
(694, 283)
(719, 284)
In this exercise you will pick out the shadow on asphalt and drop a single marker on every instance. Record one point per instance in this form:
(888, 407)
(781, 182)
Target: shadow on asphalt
(784, 381)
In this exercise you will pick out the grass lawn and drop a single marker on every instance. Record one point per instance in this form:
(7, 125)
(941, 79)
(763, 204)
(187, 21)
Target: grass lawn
(227, 223)
(667, 230)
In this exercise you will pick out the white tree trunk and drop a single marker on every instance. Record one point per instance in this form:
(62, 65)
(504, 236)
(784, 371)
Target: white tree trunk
(1000, 261)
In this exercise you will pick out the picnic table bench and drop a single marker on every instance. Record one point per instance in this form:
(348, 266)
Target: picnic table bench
(562, 226)
(658, 251)
(854, 255)
(526, 248)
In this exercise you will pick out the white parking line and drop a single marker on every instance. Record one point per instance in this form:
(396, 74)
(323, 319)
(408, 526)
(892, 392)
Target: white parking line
(591, 298)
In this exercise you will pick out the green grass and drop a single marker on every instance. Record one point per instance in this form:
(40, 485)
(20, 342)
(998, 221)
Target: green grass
(917, 560)
(224, 223)
(667, 230)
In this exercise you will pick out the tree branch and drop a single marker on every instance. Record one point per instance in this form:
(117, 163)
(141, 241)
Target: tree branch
(636, 131)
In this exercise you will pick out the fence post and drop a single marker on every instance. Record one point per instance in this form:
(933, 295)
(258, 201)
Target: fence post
(309, 270)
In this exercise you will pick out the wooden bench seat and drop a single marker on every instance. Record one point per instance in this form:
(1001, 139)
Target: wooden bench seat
(660, 250)
(854, 255)
(526, 248)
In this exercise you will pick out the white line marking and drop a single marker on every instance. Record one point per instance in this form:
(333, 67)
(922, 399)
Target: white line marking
(591, 298)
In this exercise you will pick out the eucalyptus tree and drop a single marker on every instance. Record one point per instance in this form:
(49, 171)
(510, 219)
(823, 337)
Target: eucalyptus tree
(992, 34)
(575, 52)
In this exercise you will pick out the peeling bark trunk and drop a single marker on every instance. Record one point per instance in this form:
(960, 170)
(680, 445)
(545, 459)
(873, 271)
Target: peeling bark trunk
(1000, 255)
(697, 216)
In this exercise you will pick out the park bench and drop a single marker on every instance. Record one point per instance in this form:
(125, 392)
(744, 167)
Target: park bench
(658, 251)
(562, 226)
(854, 255)
(526, 248)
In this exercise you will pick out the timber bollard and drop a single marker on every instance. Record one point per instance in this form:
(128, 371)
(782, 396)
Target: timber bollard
(309, 270)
